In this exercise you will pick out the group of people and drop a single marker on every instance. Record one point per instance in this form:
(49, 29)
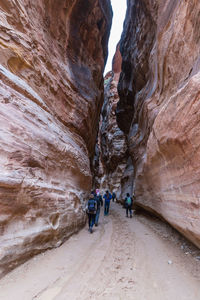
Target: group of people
(95, 203)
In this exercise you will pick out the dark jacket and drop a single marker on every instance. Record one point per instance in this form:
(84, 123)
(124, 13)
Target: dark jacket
(99, 201)
(126, 203)
(107, 197)
(113, 195)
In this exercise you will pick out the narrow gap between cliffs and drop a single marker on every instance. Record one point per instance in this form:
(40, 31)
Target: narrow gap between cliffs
(111, 151)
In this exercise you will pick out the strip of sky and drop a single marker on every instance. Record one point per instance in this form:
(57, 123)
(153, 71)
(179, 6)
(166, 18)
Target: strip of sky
(119, 11)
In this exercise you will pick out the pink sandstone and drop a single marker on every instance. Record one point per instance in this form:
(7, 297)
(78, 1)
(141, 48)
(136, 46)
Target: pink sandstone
(160, 97)
(52, 56)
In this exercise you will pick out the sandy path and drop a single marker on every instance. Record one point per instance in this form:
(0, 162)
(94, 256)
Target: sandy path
(122, 259)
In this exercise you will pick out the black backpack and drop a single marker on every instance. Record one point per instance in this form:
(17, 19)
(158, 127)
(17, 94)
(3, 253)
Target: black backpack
(92, 205)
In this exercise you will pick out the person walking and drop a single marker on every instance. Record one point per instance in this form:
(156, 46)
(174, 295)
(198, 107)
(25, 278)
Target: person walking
(107, 197)
(128, 205)
(91, 212)
(113, 196)
(99, 204)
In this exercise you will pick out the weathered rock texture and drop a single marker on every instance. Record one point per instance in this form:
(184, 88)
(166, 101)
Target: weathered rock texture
(52, 56)
(112, 141)
(160, 93)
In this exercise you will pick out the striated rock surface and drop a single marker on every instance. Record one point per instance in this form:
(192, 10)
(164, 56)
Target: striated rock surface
(52, 56)
(159, 91)
(112, 141)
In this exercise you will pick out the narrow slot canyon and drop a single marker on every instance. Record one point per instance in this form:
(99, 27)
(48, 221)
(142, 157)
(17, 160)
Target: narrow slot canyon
(68, 127)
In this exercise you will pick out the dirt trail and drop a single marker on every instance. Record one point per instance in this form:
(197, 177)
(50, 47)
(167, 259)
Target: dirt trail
(123, 259)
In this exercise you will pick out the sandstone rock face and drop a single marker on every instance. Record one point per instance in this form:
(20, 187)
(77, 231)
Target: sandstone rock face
(52, 56)
(127, 179)
(112, 141)
(159, 90)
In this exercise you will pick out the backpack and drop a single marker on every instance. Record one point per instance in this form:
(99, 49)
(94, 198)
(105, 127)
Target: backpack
(92, 206)
(128, 201)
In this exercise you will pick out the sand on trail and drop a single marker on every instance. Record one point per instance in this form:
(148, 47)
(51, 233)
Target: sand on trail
(123, 259)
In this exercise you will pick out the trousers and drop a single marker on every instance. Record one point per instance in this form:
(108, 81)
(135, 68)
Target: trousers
(106, 207)
(91, 220)
(128, 208)
(97, 216)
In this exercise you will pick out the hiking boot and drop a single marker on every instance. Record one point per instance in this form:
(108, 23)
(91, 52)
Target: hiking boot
(91, 230)
(96, 224)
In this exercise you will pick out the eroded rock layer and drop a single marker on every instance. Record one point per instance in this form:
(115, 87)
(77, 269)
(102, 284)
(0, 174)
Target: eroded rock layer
(112, 141)
(52, 56)
(159, 91)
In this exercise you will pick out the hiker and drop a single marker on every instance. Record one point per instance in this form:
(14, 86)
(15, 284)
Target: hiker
(128, 205)
(107, 197)
(91, 211)
(113, 196)
(93, 193)
(99, 204)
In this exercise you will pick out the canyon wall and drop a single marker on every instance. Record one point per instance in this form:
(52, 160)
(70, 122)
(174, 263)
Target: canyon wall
(52, 56)
(113, 152)
(159, 108)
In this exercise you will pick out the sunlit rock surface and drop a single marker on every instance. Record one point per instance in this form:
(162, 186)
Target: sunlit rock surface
(160, 93)
(52, 56)
(112, 141)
